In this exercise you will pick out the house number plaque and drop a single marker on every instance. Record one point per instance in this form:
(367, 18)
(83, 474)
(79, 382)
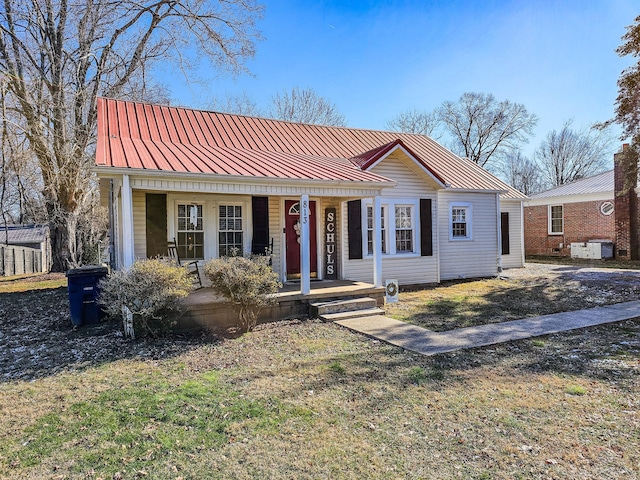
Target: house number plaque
(330, 266)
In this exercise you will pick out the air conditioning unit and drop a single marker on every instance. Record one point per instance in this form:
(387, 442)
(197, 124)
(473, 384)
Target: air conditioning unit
(593, 249)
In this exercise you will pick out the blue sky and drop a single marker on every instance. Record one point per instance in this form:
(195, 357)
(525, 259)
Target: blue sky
(377, 59)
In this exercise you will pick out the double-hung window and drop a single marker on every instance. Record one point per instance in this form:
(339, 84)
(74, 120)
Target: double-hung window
(404, 228)
(190, 231)
(460, 221)
(370, 229)
(397, 223)
(230, 230)
(556, 222)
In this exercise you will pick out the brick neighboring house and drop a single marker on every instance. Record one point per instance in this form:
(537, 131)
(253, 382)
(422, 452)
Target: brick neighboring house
(626, 204)
(579, 211)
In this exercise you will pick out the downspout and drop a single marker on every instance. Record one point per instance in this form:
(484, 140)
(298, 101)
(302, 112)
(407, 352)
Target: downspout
(499, 234)
(522, 253)
(437, 252)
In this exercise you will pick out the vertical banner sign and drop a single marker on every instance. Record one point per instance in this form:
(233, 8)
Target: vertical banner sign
(330, 266)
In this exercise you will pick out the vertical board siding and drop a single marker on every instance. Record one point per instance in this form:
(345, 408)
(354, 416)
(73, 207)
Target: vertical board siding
(514, 259)
(410, 269)
(472, 258)
(139, 224)
(17, 260)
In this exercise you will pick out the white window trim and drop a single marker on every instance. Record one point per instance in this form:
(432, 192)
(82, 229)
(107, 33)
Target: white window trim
(247, 232)
(211, 221)
(469, 207)
(390, 204)
(549, 219)
(204, 223)
(385, 227)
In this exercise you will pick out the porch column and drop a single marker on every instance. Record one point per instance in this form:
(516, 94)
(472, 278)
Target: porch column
(377, 242)
(127, 223)
(305, 246)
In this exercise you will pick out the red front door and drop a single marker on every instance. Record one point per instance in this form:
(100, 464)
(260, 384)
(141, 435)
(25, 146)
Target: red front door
(292, 233)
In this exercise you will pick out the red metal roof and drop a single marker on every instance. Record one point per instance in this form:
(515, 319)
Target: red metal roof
(175, 139)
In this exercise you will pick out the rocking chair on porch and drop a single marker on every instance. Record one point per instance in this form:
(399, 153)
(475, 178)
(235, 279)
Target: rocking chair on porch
(192, 267)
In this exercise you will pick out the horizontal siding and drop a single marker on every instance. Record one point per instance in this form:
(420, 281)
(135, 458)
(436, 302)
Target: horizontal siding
(474, 258)
(275, 231)
(408, 270)
(139, 224)
(410, 182)
(514, 259)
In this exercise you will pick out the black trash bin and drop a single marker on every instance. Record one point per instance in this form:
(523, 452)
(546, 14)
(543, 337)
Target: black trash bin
(83, 289)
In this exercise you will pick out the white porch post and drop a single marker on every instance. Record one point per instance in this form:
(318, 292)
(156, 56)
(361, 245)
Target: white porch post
(377, 242)
(499, 232)
(305, 246)
(127, 223)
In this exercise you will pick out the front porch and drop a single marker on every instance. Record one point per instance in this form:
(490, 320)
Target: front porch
(206, 309)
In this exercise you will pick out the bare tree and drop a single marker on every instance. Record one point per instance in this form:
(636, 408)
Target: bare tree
(415, 121)
(236, 104)
(569, 155)
(483, 129)
(522, 173)
(58, 56)
(305, 106)
(628, 100)
(20, 198)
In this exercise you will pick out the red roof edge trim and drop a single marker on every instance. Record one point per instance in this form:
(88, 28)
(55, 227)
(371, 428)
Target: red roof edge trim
(368, 159)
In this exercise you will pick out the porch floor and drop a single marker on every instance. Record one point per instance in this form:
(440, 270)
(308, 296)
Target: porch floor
(205, 308)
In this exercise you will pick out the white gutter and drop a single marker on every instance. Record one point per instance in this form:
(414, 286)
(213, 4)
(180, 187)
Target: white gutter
(113, 172)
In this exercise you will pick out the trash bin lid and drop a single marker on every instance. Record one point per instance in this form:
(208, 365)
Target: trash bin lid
(87, 270)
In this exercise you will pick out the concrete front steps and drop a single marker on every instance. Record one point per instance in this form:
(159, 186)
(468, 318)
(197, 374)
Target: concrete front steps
(345, 309)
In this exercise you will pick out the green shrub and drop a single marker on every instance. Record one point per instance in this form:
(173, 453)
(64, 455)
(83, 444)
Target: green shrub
(150, 289)
(250, 283)
(575, 390)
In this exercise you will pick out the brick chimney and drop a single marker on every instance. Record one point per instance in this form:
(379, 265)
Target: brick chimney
(625, 171)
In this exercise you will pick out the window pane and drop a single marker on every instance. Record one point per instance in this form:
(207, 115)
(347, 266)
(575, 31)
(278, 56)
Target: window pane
(190, 236)
(370, 229)
(404, 229)
(459, 222)
(230, 230)
(556, 219)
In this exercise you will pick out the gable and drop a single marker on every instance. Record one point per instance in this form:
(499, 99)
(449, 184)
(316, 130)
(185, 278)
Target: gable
(410, 180)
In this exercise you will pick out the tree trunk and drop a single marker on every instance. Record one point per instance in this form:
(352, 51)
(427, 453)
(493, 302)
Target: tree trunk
(63, 227)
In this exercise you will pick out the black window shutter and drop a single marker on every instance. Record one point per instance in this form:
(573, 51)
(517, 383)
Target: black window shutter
(354, 219)
(156, 224)
(426, 228)
(504, 227)
(260, 215)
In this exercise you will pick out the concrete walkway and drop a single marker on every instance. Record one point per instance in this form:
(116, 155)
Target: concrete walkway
(427, 342)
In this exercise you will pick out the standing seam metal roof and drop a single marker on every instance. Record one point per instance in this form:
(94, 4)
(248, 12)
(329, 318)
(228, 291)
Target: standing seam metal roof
(175, 139)
(600, 183)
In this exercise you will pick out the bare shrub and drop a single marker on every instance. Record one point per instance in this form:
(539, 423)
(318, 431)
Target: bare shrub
(150, 289)
(250, 283)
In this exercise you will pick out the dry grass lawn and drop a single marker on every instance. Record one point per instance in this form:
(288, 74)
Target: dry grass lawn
(306, 399)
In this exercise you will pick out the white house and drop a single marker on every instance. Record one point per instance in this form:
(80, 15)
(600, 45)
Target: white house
(327, 202)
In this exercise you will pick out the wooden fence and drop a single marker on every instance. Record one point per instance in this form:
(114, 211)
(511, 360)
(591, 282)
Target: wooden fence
(16, 260)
